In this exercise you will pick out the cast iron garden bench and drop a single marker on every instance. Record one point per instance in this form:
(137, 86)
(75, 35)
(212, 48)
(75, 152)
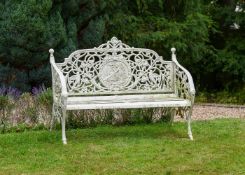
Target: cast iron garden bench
(116, 76)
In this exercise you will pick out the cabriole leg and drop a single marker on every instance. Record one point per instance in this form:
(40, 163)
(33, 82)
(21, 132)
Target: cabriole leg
(52, 118)
(56, 114)
(189, 112)
(64, 140)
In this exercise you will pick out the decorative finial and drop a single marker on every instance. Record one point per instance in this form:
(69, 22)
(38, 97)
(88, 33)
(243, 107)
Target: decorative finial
(113, 43)
(51, 51)
(114, 40)
(173, 50)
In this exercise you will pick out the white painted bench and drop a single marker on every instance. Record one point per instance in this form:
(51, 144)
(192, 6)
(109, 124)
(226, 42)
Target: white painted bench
(116, 76)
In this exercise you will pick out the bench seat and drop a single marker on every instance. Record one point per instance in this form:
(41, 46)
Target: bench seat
(125, 102)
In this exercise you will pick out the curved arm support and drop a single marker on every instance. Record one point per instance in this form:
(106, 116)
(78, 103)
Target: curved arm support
(186, 87)
(58, 82)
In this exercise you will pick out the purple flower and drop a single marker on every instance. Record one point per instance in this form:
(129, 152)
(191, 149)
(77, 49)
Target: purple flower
(38, 90)
(3, 90)
(13, 92)
(10, 92)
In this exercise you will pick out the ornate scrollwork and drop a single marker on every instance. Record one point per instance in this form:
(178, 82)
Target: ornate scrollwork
(183, 90)
(114, 43)
(116, 67)
(57, 110)
(56, 87)
(182, 84)
(57, 101)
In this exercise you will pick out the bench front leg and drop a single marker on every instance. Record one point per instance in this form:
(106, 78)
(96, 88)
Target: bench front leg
(188, 118)
(56, 115)
(63, 125)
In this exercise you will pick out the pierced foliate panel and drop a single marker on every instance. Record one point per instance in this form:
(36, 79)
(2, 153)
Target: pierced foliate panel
(116, 68)
(56, 84)
(182, 84)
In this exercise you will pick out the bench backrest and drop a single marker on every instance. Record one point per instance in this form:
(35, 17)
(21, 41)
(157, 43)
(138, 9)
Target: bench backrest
(116, 68)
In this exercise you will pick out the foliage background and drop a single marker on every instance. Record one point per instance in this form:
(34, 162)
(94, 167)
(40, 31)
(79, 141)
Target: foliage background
(202, 31)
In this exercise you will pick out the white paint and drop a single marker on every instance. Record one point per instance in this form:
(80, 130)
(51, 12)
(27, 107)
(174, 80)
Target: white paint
(116, 76)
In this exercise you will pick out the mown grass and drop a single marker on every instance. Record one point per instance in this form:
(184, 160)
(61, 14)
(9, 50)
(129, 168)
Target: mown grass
(218, 148)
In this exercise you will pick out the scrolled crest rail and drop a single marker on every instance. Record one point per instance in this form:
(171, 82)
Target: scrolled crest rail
(114, 66)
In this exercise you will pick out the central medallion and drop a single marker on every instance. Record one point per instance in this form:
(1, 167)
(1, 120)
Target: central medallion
(115, 73)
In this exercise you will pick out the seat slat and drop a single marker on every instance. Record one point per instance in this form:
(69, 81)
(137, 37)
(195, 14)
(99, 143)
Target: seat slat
(111, 102)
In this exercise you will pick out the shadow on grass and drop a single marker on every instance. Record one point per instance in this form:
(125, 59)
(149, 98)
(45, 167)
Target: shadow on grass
(99, 134)
(126, 132)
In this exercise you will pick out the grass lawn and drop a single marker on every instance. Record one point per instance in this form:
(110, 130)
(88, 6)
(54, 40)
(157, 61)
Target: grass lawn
(218, 148)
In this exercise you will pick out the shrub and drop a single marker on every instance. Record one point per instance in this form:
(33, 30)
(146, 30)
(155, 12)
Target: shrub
(44, 101)
(6, 105)
(230, 97)
(45, 98)
(27, 109)
(32, 113)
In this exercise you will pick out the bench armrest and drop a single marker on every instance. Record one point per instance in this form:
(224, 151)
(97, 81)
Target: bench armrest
(58, 82)
(184, 83)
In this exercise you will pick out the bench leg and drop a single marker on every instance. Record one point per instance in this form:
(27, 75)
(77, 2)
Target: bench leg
(117, 117)
(172, 115)
(52, 118)
(56, 114)
(189, 123)
(63, 124)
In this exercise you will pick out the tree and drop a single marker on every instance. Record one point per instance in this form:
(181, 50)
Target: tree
(28, 28)
(228, 68)
(162, 24)
(203, 32)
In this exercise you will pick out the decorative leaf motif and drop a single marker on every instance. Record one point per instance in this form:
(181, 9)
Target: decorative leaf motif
(182, 86)
(114, 66)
